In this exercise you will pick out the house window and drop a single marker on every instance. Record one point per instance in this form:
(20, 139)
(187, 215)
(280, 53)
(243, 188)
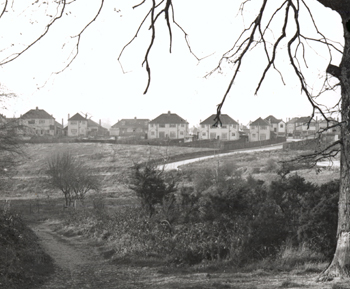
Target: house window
(74, 131)
(252, 127)
(172, 125)
(262, 136)
(41, 120)
(182, 125)
(73, 123)
(224, 126)
(151, 125)
(224, 135)
(152, 132)
(202, 126)
(281, 125)
(253, 135)
(32, 121)
(212, 135)
(172, 134)
(263, 128)
(233, 134)
(181, 133)
(204, 134)
(162, 125)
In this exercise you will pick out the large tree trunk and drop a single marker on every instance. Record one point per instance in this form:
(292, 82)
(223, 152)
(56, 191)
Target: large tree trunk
(340, 266)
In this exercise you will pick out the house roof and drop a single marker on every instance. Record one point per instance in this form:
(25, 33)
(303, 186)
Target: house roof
(293, 120)
(330, 119)
(304, 120)
(272, 119)
(259, 122)
(77, 116)
(132, 123)
(91, 123)
(225, 119)
(58, 125)
(169, 118)
(36, 114)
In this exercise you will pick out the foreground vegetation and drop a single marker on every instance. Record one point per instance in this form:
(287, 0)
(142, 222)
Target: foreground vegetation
(234, 220)
(23, 263)
(246, 212)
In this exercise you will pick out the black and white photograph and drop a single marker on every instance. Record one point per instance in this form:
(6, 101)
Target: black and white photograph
(174, 144)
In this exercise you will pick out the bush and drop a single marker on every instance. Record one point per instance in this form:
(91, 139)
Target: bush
(151, 186)
(318, 227)
(23, 263)
(240, 220)
(71, 176)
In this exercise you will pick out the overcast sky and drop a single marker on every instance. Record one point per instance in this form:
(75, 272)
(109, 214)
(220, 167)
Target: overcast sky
(95, 83)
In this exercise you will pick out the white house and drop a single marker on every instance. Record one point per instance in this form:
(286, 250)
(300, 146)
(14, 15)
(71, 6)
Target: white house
(259, 130)
(167, 125)
(77, 125)
(227, 130)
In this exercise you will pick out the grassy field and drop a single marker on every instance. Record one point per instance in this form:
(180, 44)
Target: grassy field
(110, 161)
(264, 165)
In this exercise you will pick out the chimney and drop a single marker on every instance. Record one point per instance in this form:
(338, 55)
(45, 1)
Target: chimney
(99, 122)
(62, 123)
(135, 117)
(36, 108)
(169, 112)
(68, 116)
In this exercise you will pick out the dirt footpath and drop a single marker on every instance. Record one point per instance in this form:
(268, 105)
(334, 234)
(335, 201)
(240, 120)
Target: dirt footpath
(79, 264)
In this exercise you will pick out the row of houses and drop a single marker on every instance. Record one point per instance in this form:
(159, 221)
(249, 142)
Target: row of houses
(37, 122)
(169, 125)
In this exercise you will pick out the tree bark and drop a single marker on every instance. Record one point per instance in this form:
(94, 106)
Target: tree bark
(340, 265)
(340, 6)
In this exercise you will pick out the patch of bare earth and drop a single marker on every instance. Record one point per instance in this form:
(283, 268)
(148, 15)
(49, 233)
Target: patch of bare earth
(80, 264)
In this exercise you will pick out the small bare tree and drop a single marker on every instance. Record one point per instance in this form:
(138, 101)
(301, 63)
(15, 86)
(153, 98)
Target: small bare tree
(84, 181)
(69, 175)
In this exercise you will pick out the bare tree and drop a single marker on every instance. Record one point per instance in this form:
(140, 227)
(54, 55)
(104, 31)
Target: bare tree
(69, 175)
(60, 169)
(84, 181)
(33, 20)
(278, 29)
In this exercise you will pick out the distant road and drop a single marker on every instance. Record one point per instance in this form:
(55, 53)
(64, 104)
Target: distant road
(175, 165)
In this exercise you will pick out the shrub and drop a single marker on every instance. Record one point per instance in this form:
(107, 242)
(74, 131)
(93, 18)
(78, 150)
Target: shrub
(23, 263)
(70, 176)
(318, 225)
(151, 186)
(271, 165)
